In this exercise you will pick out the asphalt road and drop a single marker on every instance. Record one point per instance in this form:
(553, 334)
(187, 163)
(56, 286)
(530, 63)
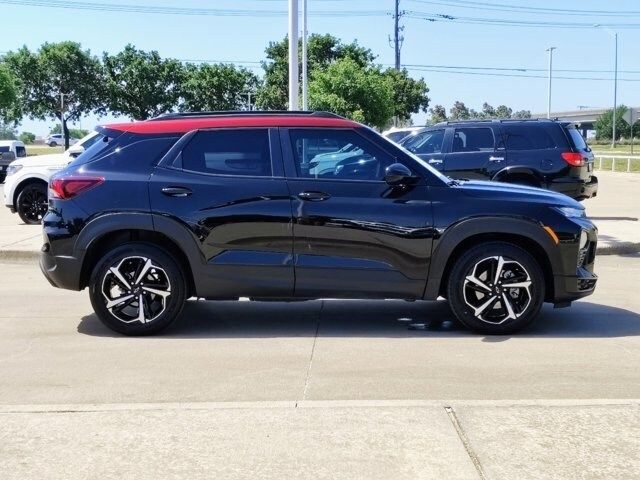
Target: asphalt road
(322, 389)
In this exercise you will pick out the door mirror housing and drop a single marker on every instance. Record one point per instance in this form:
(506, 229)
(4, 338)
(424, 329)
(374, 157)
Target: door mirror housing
(75, 150)
(399, 174)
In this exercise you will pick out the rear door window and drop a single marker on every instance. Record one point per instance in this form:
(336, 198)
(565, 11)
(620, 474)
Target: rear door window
(473, 140)
(239, 152)
(523, 137)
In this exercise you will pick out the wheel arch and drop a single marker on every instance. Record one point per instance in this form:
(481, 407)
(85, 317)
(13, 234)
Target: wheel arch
(103, 234)
(526, 234)
(23, 183)
(518, 172)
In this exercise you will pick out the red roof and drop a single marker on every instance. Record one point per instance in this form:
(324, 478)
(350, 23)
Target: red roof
(187, 124)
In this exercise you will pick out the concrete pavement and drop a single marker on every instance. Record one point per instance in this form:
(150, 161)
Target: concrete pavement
(323, 389)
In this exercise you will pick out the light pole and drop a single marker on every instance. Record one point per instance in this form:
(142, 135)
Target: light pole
(550, 50)
(614, 35)
(305, 81)
(293, 54)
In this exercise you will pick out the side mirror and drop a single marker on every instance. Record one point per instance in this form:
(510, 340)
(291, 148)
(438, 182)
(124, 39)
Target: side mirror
(398, 174)
(75, 150)
(8, 156)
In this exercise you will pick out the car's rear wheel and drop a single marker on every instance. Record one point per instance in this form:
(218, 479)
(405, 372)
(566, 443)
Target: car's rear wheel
(137, 289)
(32, 203)
(53, 144)
(496, 288)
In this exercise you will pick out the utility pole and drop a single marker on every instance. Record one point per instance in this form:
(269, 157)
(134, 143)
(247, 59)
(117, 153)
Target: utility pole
(615, 91)
(305, 80)
(293, 54)
(550, 50)
(397, 38)
(62, 116)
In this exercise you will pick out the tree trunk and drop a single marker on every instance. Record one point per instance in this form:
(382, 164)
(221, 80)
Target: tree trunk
(65, 133)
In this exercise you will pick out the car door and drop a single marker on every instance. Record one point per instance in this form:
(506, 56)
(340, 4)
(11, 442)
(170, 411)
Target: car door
(476, 153)
(354, 235)
(226, 186)
(429, 146)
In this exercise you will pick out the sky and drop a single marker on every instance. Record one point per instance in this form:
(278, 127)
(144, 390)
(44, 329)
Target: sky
(475, 40)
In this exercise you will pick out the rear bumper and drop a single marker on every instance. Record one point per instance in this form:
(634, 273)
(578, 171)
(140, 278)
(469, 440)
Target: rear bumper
(577, 189)
(61, 272)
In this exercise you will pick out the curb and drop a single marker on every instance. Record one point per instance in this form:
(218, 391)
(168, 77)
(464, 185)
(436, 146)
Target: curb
(621, 248)
(19, 255)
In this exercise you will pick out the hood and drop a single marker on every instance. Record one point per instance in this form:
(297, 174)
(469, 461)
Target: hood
(51, 160)
(516, 193)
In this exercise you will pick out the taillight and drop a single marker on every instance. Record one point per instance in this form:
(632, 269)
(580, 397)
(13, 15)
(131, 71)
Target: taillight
(573, 158)
(65, 188)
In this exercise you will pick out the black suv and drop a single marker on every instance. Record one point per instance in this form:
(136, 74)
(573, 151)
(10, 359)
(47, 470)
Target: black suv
(539, 153)
(284, 206)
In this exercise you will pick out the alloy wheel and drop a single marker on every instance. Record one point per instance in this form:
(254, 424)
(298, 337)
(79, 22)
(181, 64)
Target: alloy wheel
(136, 290)
(33, 205)
(497, 289)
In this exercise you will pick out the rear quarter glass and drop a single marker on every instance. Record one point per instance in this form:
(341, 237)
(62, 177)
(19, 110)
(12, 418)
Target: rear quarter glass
(576, 139)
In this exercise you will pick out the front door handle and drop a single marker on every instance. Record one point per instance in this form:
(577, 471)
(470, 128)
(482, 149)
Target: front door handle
(313, 196)
(495, 159)
(176, 191)
(435, 161)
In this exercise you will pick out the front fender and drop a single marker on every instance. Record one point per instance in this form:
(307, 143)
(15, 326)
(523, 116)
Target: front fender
(465, 229)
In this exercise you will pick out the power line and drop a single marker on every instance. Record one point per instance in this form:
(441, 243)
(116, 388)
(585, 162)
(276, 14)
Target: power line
(440, 17)
(524, 8)
(516, 75)
(153, 9)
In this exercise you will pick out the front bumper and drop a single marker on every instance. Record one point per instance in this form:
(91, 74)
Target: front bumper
(583, 282)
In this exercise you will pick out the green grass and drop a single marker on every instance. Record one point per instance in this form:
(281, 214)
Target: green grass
(42, 150)
(619, 150)
(620, 166)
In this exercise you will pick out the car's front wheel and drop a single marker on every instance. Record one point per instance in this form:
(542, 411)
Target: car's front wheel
(496, 288)
(32, 203)
(137, 289)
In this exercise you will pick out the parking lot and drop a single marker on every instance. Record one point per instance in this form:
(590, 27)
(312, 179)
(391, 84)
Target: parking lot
(384, 389)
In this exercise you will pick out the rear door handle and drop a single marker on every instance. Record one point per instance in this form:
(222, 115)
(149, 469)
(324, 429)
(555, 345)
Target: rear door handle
(495, 159)
(176, 191)
(313, 196)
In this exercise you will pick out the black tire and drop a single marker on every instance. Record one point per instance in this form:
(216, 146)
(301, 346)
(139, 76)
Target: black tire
(524, 180)
(2, 177)
(32, 203)
(497, 318)
(53, 144)
(164, 274)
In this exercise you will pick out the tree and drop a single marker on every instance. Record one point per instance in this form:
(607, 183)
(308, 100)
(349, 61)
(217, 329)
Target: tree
(604, 125)
(57, 70)
(7, 132)
(217, 87)
(459, 111)
(141, 84)
(27, 137)
(409, 95)
(8, 95)
(322, 50)
(521, 114)
(358, 92)
(503, 111)
(438, 114)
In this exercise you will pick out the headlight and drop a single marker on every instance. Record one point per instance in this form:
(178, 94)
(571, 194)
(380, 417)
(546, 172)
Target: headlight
(570, 212)
(583, 239)
(13, 168)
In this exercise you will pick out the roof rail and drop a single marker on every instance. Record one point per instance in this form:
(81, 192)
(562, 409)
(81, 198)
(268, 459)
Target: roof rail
(494, 120)
(176, 115)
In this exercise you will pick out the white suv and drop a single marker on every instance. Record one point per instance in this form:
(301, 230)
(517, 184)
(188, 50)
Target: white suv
(57, 139)
(26, 183)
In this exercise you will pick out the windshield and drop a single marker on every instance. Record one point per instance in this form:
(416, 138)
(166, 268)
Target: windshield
(397, 136)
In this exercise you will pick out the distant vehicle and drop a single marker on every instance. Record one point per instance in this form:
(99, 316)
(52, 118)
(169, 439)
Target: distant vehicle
(540, 153)
(14, 146)
(396, 134)
(326, 162)
(57, 140)
(25, 189)
(221, 206)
